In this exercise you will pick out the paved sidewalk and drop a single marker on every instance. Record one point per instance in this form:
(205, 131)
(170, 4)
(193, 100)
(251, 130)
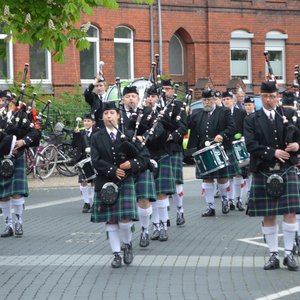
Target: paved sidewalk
(58, 180)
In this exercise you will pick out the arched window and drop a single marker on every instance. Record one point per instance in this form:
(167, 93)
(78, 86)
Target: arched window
(89, 58)
(123, 41)
(6, 64)
(275, 45)
(176, 56)
(40, 64)
(240, 55)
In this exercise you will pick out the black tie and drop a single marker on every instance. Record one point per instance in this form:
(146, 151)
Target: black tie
(271, 118)
(112, 137)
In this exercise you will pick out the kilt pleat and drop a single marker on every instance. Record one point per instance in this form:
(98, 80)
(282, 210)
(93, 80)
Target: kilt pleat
(17, 184)
(260, 204)
(177, 165)
(124, 209)
(145, 186)
(164, 182)
(227, 172)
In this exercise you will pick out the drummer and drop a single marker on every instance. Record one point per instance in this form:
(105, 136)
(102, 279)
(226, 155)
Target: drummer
(81, 142)
(236, 182)
(219, 128)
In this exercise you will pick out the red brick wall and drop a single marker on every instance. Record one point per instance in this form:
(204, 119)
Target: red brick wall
(204, 26)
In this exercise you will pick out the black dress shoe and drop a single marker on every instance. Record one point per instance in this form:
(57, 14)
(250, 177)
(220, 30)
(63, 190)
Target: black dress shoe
(290, 262)
(8, 231)
(144, 240)
(180, 219)
(225, 206)
(272, 263)
(117, 261)
(231, 204)
(18, 229)
(128, 255)
(210, 212)
(239, 205)
(86, 208)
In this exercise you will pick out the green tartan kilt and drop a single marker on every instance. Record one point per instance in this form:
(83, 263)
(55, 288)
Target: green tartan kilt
(17, 184)
(124, 209)
(164, 182)
(261, 204)
(227, 172)
(145, 186)
(177, 167)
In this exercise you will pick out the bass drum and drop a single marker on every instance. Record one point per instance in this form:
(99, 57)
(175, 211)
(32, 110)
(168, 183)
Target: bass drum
(141, 86)
(112, 92)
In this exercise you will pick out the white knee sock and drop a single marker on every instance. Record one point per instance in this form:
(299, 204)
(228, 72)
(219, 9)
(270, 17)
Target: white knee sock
(163, 211)
(91, 193)
(237, 188)
(223, 188)
(289, 234)
(18, 207)
(178, 197)
(271, 237)
(230, 191)
(209, 189)
(248, 182)
(298, 219)
(125, 232)
(114, 237)
(144, 216)
(85, 193)
(6, 209)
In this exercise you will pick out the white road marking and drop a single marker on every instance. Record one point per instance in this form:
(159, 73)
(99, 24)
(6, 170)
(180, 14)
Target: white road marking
(281, 294)
(139, 260)
(261, 244)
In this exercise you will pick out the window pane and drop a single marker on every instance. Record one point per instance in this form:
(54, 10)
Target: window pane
(92, 32)
(3, 62)
(122, 60)
(275, 58)
(239, 63)
(88, 62)
(123, 32)
(38, 62)
(175, 56)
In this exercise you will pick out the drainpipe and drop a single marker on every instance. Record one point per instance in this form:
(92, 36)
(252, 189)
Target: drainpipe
(160, 36)
(151, 34)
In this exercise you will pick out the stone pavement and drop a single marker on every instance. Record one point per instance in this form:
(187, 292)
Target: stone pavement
(62, 255)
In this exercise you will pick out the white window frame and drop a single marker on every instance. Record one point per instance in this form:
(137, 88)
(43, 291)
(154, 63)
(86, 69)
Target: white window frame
(97, 60)
(241, 40)
(10, 61)
(48, 80)
(130, 42)
(275, 41)
(182, 56)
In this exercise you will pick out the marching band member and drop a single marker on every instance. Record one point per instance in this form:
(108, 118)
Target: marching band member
(164, 182)
(235, 188)
(13, 178)
(114, 166)
(177, 129)
(94, 95)
(144, 181)
(81, 142)
(275, 186)
(213, 123)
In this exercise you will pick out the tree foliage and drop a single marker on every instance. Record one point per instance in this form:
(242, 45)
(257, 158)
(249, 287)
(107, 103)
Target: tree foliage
(50, 22)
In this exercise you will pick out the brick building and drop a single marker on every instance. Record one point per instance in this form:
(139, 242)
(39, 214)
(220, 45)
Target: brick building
(196, 39)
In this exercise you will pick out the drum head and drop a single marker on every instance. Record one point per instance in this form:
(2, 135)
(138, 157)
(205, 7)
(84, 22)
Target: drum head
(112, 92)
(141, 85)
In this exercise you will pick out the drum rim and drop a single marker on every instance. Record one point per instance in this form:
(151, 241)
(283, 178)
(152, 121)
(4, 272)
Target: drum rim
(206, 148)
(213, 170)
(239, 141)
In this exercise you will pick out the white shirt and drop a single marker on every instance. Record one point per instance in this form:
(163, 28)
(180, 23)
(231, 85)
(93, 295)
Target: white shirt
(269, 112)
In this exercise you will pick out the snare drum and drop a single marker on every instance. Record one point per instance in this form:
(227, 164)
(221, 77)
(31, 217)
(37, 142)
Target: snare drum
(211, 159)
(141, 86)
(240, 152)
(86, 170)
(112, 92)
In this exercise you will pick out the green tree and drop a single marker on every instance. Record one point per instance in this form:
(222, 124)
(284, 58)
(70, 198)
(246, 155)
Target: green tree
(50, 22)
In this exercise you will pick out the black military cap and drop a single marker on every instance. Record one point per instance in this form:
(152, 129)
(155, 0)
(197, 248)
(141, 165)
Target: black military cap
(129, 90)
(249, 99)
(208, 94)
(288, 98)
(268, 87)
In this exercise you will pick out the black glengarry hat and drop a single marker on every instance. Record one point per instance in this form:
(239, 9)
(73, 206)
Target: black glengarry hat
(208, 94)
(268, 87)
(129, 90)
(89, 116)
(249, 99)
(111, 105)
(227, 94)
(167, 82)
(288, 98)
(152, 91)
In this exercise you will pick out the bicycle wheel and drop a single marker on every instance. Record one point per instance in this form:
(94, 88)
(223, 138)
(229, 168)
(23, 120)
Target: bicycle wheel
(46, 161)
(64, 162)
(29, 157)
